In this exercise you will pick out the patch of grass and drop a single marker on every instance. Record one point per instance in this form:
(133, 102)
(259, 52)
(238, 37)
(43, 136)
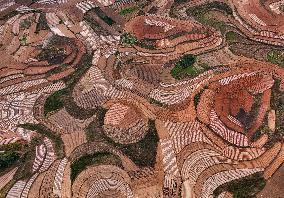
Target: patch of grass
(184, 67)
(88, 18)
(82, 67)
(215, 5)
(26, 162)
(54, 101)
(197, 98)
(128, 10)
(129, 39)
(16, 146)
(7, 159)
(43, 130)
(23, 40)
(246, 187)
(63, 98)
(19, 154)
(200, 14)
(143, 153)
(95, 159)
(11, 154)
(52, 54)
(231, 37)
(26, 23)
(94, 131)
(5, 189)
(156, 102)
(42, 23)
(178, 72)
(277, 103)
(276, 57)
(147, 44)
(103, 16)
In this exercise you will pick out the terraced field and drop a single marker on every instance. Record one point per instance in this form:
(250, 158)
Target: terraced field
(144, 99)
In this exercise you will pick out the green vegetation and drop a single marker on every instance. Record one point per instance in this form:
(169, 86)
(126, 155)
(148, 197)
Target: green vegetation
(19, 154)
(231, 36)
(9, 15)
(200, 13)
(264, 129)
(143, 153)
(10, 154)
(8, 158)
(129, 39)
(128, 10)
(23, 40)
(103, 16)
(246, 187)
(43, 130)
(184, 67)
(26, 23)
(95, 159)
(197, 98)
(63, 98)
(11, 147)
(215, 5)
(94, 132)
(277, 103)
(5, 189)
(82, 67)
(54, 101)
(147, 44)
(180, 1)
(156, 102)
(186, 60)
(88, 17)
(276, 57)
(52, 54)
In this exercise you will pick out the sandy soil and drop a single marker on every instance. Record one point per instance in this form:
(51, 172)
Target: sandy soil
(274, 186)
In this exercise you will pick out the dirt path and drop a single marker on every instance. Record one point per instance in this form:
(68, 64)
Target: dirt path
(274, 186)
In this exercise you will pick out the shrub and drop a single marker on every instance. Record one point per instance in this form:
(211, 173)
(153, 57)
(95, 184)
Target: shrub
(26, 23)
(42, 23)
(129, 39)
(231, 36)
(7, 159)
(94, 131)
(184, 67)
(246, 187)
(143, 153)
(43, 130)
(23, 40)
(276, 57)
(95, 159)
(53, 55)
(54, 101)
(277, 103)
(103, 16)
(156, 102)
(197, 98)
(128, 10)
